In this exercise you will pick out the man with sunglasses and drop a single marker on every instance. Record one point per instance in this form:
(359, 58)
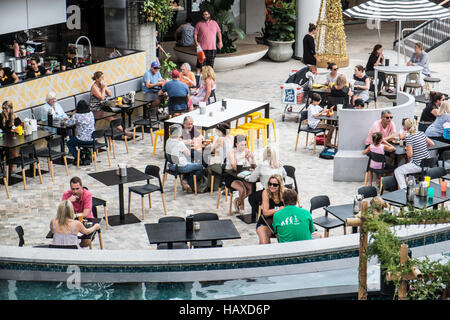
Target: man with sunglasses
(385, 125)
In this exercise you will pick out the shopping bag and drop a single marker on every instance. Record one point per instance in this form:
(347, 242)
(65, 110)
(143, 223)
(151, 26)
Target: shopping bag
(200, 54)
(289, 93)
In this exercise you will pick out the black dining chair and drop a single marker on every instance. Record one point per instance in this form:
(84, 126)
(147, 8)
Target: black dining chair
(385, 167)
(436, 173)
(325, 221)
(368, 192)
(425, 164)
(27, 157)
(21, 235)
(146, 122)
(388, 183)
(175, 245)
(205, 216)
(55, 150)
(113, 133)
(307, 129)
(95, 147)
(96, 202)
(174, 172)
(3, 175)
(142, 190)
(183, 100)
(290, 172)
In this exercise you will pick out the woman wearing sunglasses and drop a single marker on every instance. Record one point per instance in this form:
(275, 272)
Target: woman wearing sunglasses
(332, 75)
(272, 202)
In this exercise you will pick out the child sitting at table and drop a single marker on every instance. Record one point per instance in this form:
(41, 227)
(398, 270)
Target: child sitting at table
(315, 111)
(379, 146)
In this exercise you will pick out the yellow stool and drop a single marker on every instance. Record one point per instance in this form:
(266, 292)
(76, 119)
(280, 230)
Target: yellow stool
(159, 133)
(250, 116)
(266, 122)
(252, 127)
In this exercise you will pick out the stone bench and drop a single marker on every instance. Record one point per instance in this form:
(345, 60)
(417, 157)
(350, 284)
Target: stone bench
(352, 165)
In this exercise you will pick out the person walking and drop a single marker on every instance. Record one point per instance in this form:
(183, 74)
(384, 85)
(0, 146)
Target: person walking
(205, 34)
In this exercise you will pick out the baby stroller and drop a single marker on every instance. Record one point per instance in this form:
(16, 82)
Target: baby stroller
(296, 91)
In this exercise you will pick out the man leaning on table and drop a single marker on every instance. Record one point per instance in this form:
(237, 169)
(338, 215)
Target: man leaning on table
(81, 198)
(152, 82)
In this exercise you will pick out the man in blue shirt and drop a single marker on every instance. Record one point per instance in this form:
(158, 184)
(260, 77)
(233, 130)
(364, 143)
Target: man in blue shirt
(152, 83)
(176, 89)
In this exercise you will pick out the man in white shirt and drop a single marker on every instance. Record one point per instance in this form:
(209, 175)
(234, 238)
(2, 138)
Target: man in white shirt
(314, 111)
(177, 149)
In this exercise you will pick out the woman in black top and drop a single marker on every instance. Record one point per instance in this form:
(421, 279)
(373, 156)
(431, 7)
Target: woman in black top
(272, 202)
(69, 60)
(7, 76)
(309, 48)
(8, 119)
(377, 59)
(36, 70)
(429, 113)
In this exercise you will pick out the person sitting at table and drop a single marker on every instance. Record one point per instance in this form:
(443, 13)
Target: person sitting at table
(315, 111)
(57, 110)
(223, 142)
(379, 146)
(174, 89)
(292, 223)
(240, 156)
(9, 120)
(192, 137)
(36, 70)
(152, 82)
(271, 165)
(186, 34)
(361, 84)
(83, 119)
(332, 75)
(340, 92)
(80, 198)
(176, 148)
(65, 228)
(436, 129)
(187, 76)
(376, 59)
(99, 93)
(358, 104)
(7, 76)
(271, 202)
(419, 58)
(69, 61)
(203, 94)
(416, 147)
(385, 125)
(429, 113)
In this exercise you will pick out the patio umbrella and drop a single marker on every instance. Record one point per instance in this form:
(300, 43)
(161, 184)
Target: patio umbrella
(398, 10)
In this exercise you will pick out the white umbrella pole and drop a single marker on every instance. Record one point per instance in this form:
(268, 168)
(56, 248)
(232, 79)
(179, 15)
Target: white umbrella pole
(399, 43)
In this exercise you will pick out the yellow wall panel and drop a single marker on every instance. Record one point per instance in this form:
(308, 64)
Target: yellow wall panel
(72, 82)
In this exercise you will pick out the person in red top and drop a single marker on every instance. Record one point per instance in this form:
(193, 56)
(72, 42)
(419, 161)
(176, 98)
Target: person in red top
(81, 198)
(205, 33)
(385, 126)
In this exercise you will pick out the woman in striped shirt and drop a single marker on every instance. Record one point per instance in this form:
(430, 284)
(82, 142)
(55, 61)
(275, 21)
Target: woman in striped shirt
(416, 146)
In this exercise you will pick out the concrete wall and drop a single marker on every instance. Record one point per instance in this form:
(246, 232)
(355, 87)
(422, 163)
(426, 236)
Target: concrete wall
(354, 125)
(307, 12)
(253, 15)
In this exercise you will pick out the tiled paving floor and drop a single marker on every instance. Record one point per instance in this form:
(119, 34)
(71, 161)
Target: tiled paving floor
(33, 208)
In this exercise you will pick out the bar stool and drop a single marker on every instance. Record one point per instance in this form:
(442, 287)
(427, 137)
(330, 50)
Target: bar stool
(159, 133)
(252, 127)
(433, 82)
(250, 116)
(391, 77)
(237, 132)
(266, 122)
(414, 83)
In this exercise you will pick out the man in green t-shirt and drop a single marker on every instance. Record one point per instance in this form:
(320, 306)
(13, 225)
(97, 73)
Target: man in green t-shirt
(292, 223)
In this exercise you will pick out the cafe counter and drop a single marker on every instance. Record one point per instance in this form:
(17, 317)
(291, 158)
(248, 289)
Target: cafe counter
(30, 93)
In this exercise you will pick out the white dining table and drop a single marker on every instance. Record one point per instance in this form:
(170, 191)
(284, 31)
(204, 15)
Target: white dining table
(394, 70)
(236, 108)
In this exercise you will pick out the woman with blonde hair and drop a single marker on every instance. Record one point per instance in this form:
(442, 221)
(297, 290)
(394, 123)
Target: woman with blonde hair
(8, 120)
(270, 166)
(209, 85)
(436, 129)
(340, 92)
(416, 147)
(65, 228)
(272, 202)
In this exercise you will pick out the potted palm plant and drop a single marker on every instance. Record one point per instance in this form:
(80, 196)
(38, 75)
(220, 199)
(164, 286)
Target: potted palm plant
(280, 29)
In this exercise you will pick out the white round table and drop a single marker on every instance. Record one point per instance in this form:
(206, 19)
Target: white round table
(394, 70)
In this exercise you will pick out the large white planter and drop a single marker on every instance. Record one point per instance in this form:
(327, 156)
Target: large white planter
(245, 54)
(280, 50)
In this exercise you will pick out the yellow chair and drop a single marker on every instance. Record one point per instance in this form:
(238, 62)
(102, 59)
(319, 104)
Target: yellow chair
(252, 127)
(266, 122)
(250, 116)
(159, 133)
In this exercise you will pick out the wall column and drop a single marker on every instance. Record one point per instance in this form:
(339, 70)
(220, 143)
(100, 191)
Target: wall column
(307, 12)
(141, 36)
